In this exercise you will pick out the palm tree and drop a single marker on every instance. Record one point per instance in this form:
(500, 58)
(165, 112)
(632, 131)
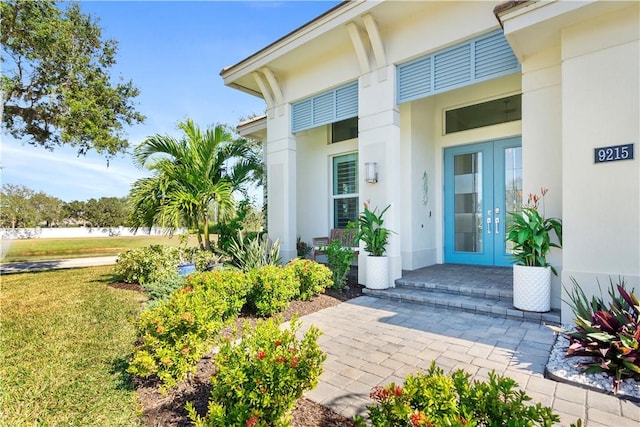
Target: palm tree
(193, 177)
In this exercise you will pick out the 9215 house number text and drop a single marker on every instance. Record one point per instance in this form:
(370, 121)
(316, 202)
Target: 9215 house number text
(614, 153)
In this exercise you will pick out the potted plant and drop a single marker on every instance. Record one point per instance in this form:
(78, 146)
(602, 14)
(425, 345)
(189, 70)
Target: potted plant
(375, 238)
(530, 233)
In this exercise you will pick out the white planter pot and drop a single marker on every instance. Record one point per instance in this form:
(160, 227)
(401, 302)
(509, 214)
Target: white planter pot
(532, 288)
(377, 272)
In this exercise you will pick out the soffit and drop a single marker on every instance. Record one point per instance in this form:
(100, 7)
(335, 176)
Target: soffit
(316, 39)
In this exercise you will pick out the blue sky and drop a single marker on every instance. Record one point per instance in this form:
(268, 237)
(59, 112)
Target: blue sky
(173, 52)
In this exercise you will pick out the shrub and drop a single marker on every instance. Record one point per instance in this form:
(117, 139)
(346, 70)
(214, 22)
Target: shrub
(435, 399)
(251, 253)
(312, 277)
(162, 289)
(339, 260)
(609, 334)
(149, 264)
(176, 333)
(272, 288)
(259, 380)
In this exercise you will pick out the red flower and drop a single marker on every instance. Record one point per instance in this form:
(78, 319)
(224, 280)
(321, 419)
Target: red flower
(278, 342)
(418, 418)
(294, 361)
(261, 355)
(280, 359)
(397, 390)
(252, 421)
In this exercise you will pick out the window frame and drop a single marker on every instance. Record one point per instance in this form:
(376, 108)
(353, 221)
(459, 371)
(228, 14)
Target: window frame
(332, 196)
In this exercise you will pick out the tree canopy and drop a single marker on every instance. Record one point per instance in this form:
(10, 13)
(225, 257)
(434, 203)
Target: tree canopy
(56, 85)
(193, 177)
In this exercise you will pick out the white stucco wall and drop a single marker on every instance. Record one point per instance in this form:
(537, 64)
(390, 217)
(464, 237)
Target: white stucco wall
(601, 98)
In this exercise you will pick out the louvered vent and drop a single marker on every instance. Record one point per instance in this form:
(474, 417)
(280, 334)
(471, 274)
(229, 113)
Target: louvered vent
(477, 60)
(328, 107)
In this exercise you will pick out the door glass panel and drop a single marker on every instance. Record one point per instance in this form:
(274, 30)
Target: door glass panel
(512, 184)
(468, 202)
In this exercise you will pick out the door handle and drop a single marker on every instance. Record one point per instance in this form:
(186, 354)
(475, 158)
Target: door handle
(497, 220)
(489, 221)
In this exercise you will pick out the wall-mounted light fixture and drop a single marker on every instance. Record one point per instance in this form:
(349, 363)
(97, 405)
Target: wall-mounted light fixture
(371, 172)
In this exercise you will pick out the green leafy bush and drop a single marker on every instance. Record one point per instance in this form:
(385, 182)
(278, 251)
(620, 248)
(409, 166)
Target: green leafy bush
(253, 252)
(339, 259)
(150, 264)
(435, 399)
(312, 277)
(259, 380)
(176, 333)
(272, 288)
(608, 333)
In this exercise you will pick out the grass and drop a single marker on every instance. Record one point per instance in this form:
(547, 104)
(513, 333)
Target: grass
(49, 249)
(64, 339)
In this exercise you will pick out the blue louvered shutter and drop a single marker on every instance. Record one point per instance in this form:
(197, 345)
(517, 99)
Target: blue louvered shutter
(328, 107)
(476, 60)
(493, 55)
(414, 78)
(347, 102)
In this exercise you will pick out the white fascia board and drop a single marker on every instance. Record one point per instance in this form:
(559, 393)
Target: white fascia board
(336, 18)
(538, 12)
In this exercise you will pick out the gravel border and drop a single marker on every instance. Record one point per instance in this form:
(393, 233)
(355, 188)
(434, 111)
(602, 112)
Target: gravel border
(567, 370)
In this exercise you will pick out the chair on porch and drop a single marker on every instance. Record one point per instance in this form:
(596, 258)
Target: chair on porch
(346, 237)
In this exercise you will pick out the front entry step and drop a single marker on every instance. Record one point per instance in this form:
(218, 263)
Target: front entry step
(471, 289)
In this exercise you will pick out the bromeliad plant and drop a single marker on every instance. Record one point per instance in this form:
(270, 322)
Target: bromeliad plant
(610, 335)
(530, 232)
(371, 231)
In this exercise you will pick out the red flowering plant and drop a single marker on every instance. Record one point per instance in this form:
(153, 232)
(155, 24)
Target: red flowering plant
(259, 379)
(312, 277)
(176, 332)
(431, 398)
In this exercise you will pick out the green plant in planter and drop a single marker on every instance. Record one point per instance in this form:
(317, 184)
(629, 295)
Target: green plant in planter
(530, 232)
(371, 231)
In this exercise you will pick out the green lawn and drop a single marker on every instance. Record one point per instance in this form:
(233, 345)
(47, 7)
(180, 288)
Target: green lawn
(49, 249)
(64, 338)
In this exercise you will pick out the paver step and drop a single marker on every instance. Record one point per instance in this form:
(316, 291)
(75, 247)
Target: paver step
(433, 297)
(486, 291)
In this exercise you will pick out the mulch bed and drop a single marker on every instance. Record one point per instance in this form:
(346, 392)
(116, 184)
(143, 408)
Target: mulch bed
(169, 410)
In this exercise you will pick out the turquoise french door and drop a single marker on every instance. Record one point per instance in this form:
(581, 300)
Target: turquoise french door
(482, 182)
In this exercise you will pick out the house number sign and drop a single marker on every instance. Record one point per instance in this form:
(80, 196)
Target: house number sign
(614, 153)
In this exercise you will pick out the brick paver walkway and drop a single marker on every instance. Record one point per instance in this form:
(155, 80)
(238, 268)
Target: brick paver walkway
(371, 341)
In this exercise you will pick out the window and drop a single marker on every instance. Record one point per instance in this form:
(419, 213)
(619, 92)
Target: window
(345, 190)
(489, 113)
(344, 130)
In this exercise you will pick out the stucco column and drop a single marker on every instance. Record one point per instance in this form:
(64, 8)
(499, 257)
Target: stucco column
(379, 141)
(281, 180)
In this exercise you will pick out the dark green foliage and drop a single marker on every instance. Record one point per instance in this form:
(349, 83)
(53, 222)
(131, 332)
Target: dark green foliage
(371, 231)
(162, 289)
(339, 260)
(312, 277)
(435, 399)
(259, 379)
(56, 87)
(530, 233)
(609, 333)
